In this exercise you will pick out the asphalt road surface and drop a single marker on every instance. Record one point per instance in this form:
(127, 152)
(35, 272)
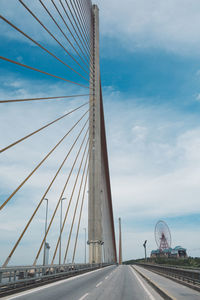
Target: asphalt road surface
(110, 283)
(175, 290)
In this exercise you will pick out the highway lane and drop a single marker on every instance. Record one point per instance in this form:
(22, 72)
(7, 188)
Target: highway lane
(110, 283)
(174, 289)
(123, 284)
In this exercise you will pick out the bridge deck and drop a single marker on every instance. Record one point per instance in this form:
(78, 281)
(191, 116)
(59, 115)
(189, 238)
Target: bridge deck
(113, 283)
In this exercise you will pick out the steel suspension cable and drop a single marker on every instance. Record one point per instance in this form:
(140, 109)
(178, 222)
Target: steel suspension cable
(75, 210)
(77, 17)
(41, 162)
(86, 13)
(67, 26)
(59, 27)
(41, 98)
(80, 215)
(77, 27)
(84, 21)
(40, 71)
(48, 31)
(91, 24)
(86, 16)
(40, 46)
(72, 5)
(90, 21)
(60, 199)
(74, 30)
(81, 21)
(44, 195)
(69, 204)
(90, 66)
(41, 128)
(87, 10)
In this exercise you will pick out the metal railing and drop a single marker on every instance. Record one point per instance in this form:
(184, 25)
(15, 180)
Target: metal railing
(190, 276)
(12, 277)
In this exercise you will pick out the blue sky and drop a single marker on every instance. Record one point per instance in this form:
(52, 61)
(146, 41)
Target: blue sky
(150, 59)
(150, 72)
(153, 74)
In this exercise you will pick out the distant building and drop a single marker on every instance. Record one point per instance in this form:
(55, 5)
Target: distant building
(177, 252)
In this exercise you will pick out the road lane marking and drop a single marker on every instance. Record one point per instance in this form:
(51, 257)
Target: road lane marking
(98, 284)
(50, 285)
(84, 296)
(106, 277)
(142, 284)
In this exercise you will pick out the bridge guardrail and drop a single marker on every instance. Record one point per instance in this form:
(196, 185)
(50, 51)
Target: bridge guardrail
(12, 277)
(190, 276)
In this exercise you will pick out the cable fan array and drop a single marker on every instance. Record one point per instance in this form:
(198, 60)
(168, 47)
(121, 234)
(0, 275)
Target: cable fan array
(67, 26)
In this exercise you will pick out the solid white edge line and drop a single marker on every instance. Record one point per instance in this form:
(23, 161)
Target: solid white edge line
(84, 296)
(50, 284)
(142, 284)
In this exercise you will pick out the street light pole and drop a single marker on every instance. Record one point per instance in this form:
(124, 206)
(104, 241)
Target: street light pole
(102, 250)
(120, 242)
(60, 229)
(85, 243)
(145, 249)
(45, 230)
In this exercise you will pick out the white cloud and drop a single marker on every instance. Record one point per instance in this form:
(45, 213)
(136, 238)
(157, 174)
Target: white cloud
(154, 164)
(170, 25)
(198, 97)
(139, 132)
(153, 154)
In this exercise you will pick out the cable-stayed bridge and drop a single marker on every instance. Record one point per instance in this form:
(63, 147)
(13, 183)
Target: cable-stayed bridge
(73, 26)
(55, 173)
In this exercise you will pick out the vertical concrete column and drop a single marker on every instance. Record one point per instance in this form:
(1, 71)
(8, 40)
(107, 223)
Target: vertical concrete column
(95, 203)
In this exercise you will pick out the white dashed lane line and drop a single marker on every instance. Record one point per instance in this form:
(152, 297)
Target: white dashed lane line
(98, 284)
(84, 296)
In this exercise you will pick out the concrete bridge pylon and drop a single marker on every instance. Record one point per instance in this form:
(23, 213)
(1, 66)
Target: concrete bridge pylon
(101, 235)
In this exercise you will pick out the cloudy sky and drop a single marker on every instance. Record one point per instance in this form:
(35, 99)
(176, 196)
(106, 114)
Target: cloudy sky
(150, 72)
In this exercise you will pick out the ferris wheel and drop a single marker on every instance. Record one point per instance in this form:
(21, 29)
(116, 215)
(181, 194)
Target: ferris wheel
(162, 235)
